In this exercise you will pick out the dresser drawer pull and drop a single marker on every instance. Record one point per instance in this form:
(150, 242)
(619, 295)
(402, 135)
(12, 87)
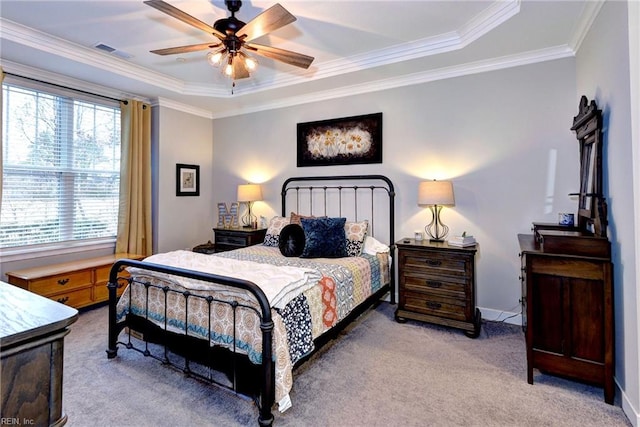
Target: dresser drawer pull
(433, 262)
(63, 282)
(433, 305)
(433, 284)
(63, 300)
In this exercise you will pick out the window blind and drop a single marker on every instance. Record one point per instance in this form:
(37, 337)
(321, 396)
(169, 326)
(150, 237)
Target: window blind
(61, 168)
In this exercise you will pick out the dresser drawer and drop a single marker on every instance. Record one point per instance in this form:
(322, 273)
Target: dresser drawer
(435, 305)
(102, 273)
(436, 264)
(61, 283)
(100, 290)
(77, 298)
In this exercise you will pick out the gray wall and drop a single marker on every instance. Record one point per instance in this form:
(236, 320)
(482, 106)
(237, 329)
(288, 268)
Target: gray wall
(603, 74)
(502, 137)
(181, 222)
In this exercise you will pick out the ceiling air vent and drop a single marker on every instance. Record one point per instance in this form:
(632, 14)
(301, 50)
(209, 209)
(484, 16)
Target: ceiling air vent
(112, 50)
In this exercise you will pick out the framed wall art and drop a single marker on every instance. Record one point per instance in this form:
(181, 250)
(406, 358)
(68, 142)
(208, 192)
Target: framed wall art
(187, 180)
(343, 141)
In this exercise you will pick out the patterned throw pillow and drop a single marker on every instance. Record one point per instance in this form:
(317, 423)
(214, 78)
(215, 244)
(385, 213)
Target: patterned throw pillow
(272, 237)
(325, 238)
(295, 218)
(355, 233)
(291, 241)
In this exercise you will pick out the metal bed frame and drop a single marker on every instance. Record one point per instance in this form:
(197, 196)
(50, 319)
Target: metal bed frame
(192, 349)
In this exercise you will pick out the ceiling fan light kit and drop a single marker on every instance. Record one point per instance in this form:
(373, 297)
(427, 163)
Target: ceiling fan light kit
(235, 37)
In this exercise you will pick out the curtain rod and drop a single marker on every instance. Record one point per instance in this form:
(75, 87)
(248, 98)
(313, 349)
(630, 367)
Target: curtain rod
(68, 88)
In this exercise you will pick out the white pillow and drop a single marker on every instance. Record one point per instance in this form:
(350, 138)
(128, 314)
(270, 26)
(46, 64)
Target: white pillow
(373, 246)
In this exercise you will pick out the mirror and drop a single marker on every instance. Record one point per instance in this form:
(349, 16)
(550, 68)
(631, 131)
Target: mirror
(592, 207)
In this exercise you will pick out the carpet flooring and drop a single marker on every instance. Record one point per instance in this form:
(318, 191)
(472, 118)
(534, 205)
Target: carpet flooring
(376, 373)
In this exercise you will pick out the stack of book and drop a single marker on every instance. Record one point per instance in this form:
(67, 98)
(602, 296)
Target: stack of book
(464, 240)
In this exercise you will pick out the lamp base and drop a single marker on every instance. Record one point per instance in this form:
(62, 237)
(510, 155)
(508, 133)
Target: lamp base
(436, 229)
(436, 240)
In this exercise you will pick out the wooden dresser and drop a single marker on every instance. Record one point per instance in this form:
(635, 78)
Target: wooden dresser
(227, 239)
(32, 331)
(568, 311)
(567, 277)
(437, 285)
(77, 283)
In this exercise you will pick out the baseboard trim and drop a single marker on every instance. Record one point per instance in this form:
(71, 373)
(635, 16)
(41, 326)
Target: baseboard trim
(627, 407)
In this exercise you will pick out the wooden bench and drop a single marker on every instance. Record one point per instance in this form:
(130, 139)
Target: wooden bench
(76, 283)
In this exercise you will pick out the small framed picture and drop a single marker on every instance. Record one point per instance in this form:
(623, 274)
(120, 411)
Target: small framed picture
(187, 180)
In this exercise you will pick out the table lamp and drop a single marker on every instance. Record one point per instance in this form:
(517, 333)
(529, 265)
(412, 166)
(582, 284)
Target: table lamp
(249, 193)
(435, 195)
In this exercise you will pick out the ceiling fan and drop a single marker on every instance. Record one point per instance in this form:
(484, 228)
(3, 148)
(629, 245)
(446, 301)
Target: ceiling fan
(234, 38)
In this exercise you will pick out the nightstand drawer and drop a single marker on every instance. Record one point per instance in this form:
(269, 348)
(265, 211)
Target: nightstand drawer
(61, 283)
(436, 264)
(227, 239)
(435, 284)
(435, 305)
(231, 240)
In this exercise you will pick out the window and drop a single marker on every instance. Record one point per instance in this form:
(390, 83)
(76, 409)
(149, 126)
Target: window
(61, 167)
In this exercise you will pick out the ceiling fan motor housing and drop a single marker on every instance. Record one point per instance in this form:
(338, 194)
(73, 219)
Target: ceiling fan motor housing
(228, 26)
(233, 6)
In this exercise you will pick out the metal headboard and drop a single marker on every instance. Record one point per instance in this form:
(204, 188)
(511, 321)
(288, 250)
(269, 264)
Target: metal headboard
(344, 195)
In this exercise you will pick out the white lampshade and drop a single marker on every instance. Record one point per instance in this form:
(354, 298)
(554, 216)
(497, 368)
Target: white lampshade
(249, 192)
(435, 193)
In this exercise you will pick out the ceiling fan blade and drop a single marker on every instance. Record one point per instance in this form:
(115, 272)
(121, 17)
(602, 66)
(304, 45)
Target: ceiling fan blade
(165, 7)
(239, 70)
(286, 56)
(185, 49)
(270, 20)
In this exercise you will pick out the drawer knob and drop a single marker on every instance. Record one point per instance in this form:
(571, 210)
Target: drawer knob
(433, 305)
(63, 282)
(433, 284)
(63, 300)
(433, 262)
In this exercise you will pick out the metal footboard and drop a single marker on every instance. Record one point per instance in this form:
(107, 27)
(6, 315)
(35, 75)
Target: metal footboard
(267, 370)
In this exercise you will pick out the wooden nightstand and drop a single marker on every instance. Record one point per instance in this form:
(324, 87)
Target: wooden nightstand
(227, 239)
(437, 285)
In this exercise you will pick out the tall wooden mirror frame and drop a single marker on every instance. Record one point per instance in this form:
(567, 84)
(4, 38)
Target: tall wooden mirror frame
(592, 207)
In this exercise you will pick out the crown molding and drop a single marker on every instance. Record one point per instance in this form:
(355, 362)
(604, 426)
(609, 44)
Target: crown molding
(496, 14)
(589, 14)
(61, 80)
(185, 108)
(44, 42)
(483, 23)
(493, 64)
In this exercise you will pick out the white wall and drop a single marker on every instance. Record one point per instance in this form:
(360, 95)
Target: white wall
(181, 222)
(603, 74)
(502, 137)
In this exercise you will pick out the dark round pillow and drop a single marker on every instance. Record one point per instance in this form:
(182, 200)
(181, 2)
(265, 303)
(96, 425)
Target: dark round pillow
(291, 241)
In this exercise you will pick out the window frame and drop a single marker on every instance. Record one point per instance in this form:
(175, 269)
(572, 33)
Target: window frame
(67, 246)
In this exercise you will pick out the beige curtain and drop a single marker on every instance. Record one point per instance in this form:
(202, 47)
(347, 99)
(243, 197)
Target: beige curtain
(134, 217)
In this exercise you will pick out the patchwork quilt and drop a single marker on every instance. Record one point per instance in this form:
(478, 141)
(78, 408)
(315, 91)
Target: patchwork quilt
(307, 296)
